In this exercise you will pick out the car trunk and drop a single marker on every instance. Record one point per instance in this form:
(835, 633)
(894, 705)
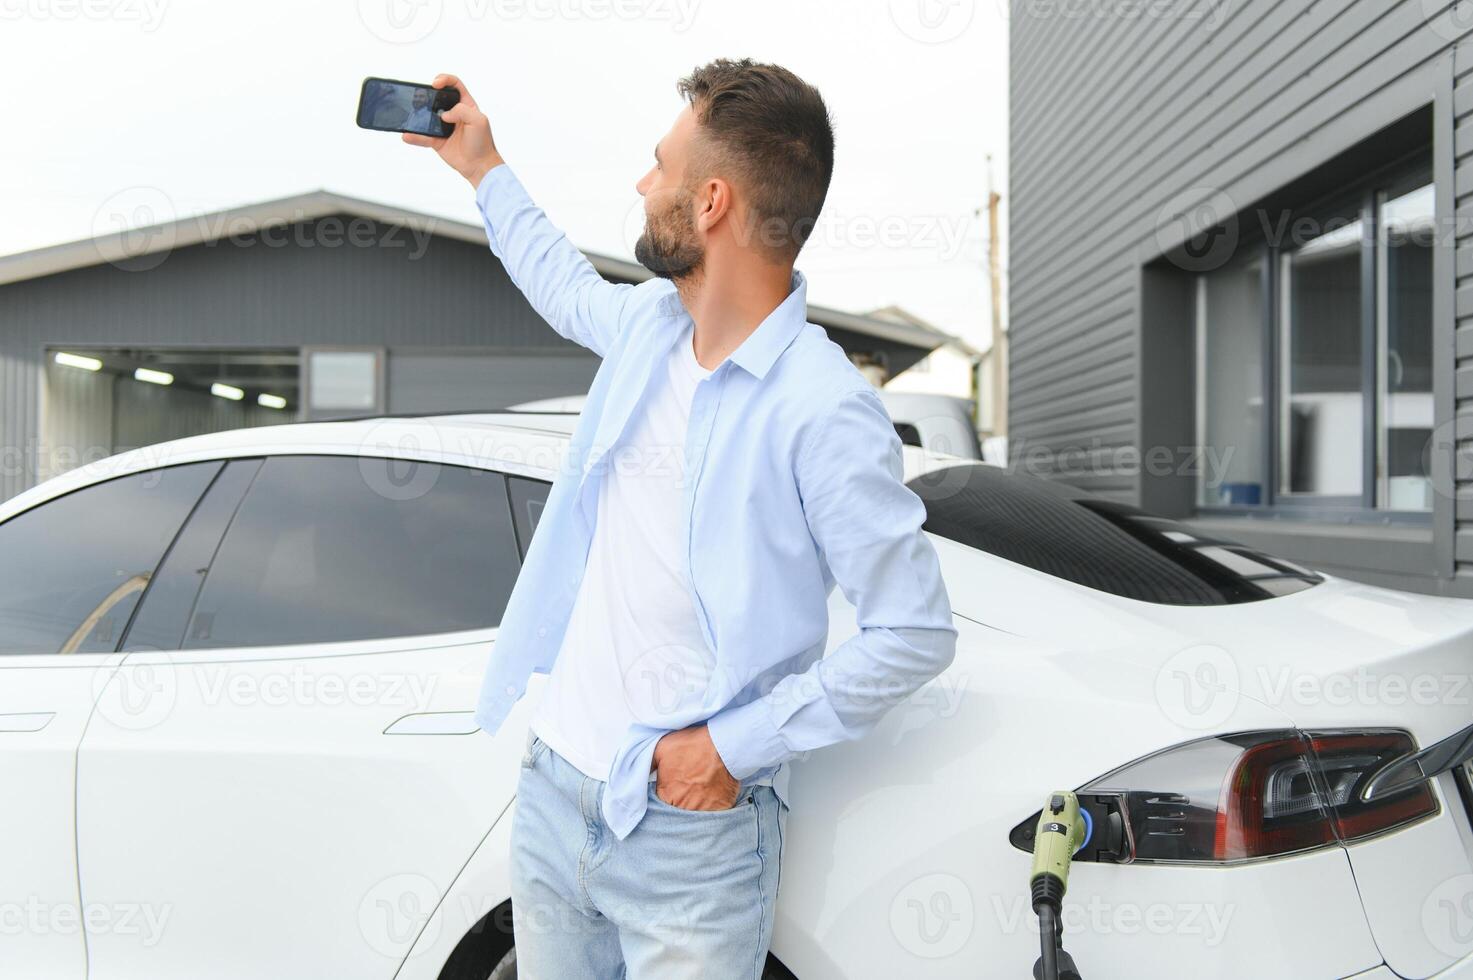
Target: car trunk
(1340, 655)
(1348, 656)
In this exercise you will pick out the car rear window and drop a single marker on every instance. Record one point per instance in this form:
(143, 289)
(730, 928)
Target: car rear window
(1098, 543)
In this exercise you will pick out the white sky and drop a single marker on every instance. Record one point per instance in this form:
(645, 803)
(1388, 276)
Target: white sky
(197, 105)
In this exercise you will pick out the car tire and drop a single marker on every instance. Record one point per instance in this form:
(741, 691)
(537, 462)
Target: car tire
(506, 967)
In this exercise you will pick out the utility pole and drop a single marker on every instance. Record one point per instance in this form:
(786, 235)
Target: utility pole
(997, 359)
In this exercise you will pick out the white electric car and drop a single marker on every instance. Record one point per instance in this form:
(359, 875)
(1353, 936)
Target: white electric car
(936, 423)
(237, 674)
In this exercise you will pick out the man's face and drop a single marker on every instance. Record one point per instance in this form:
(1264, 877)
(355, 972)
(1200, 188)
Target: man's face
(421, 98)
(670, 247)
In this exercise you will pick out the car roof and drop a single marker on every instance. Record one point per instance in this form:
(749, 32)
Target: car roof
(524, 443)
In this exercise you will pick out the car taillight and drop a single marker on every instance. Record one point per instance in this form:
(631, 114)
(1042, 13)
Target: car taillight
(1245, 797)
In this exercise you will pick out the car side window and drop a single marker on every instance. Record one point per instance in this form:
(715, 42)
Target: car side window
(1099, 543)
(72, 569)
(160, 621)
(335, 548)
(528, 497)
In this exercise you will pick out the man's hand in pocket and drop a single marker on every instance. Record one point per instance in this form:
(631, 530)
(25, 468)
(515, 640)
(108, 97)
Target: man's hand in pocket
(690, 774)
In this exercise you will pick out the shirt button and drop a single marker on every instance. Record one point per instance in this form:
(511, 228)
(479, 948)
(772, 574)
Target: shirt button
(542, 631)
(511, 691)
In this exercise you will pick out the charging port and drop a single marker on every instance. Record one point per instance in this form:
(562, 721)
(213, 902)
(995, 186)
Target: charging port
(1108, 843)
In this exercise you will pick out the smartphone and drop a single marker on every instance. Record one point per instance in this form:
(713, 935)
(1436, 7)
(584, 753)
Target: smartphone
(391, 106)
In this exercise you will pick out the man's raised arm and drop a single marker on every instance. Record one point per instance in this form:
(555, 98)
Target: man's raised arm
(557, 279)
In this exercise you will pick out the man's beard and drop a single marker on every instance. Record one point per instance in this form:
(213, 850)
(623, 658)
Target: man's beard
(669, 247)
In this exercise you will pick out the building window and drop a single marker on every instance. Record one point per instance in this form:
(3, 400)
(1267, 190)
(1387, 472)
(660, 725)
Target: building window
(1404, 344)
(1315, 358)
(1321, 402)
(347, 381)
(1230, 340)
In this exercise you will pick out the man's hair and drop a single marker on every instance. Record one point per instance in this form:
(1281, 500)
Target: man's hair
(770, 131)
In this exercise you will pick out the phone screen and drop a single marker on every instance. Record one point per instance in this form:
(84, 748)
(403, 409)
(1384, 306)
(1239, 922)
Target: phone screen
(405, 107)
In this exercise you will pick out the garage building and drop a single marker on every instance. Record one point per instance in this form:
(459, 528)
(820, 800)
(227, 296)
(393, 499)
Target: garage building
(310, 307)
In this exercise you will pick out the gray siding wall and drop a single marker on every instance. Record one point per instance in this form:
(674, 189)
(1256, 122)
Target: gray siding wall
(311, 287)
(1120, 122)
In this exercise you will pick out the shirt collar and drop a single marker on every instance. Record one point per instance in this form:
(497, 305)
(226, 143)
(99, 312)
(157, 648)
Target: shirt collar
(763, 346)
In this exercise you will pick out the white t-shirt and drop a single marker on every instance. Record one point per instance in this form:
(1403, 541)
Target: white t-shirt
(633, 651)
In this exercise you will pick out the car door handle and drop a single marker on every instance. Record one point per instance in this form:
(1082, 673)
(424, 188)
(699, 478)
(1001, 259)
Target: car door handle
(28, 721)
(435, 723)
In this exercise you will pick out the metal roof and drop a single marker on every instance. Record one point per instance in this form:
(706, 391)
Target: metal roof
(197, 229)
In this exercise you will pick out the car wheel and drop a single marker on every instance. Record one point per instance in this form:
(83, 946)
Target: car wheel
(505, 968)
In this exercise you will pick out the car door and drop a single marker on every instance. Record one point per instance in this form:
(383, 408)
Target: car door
(286, 763)
(71, 572)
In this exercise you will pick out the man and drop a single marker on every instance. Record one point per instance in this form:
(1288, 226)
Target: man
(730, 467)
(421, 119)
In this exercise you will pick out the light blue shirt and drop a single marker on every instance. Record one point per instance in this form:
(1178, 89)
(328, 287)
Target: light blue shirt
(793, 483)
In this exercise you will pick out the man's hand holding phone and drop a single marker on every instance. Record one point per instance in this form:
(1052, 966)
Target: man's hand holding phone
(470, 150)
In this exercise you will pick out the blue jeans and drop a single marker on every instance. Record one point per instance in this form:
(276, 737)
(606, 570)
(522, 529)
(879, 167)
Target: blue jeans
(686, 894)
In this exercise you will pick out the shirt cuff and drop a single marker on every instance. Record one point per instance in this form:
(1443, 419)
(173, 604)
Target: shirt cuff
(498, 194)
(498, 174)
(746, 738)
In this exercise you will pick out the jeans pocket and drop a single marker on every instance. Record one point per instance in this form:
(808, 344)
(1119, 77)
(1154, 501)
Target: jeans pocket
(533, 751)
(744, 802)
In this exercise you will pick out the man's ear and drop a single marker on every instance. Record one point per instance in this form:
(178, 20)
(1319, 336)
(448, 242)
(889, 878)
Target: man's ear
(713, 204)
